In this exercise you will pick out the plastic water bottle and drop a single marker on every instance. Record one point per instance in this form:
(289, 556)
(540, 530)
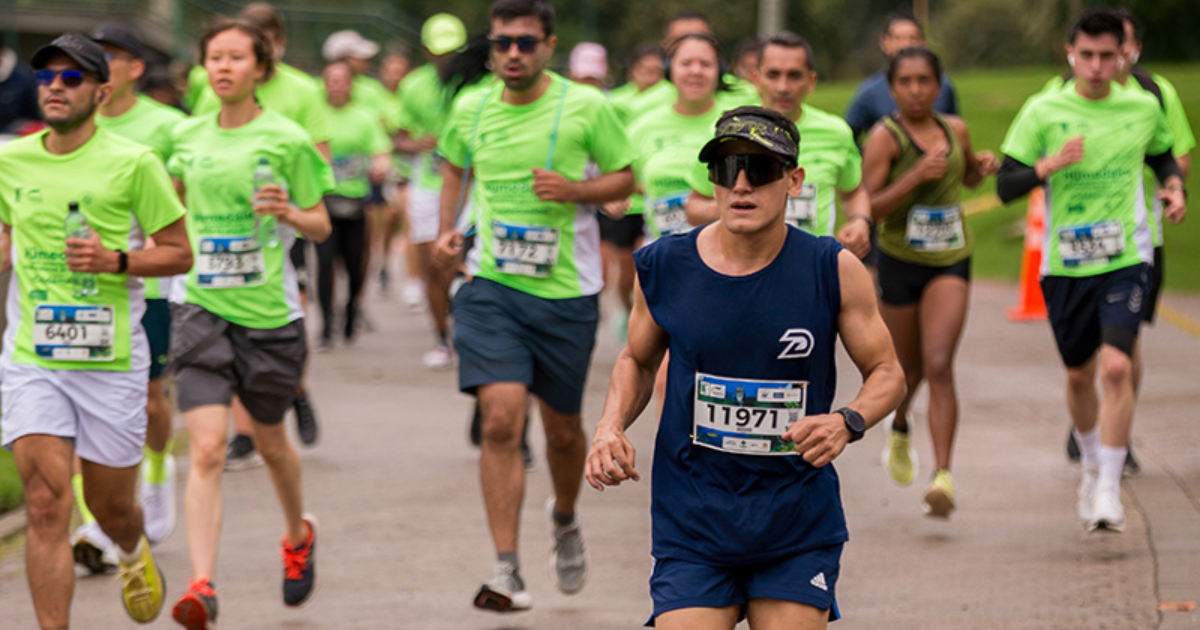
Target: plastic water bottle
(76, 226)
(266, 228)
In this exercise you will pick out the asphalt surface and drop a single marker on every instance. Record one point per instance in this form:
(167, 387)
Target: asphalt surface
(404, 544)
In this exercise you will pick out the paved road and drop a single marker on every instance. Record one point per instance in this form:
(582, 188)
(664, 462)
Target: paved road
(404, 544)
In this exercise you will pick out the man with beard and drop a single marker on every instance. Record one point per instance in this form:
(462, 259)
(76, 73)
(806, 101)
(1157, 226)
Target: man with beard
(526, 322)
(75, 361)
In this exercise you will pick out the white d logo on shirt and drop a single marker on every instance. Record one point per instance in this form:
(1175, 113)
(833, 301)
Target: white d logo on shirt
(799, 344)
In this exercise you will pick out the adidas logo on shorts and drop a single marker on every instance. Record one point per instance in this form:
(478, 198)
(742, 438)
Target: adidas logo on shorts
(819, 581)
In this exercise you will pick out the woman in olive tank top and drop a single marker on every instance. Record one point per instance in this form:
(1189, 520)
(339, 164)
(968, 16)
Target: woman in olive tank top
(914, 164)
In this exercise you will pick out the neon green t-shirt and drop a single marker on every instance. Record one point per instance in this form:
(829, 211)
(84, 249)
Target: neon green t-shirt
(123, 191)
(422, 113)
(293, 94)
(666, 146)
(357, 137)
(831, 162)
(549, 250)
(368, 92)
(147, 123)
(235, 276)
(1091, 217)
(663, 94)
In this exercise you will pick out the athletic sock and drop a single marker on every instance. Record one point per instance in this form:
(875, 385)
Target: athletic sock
(85, 515)
(511, 558)
(562, 520)
(156, 467)
(1112, 463)
(1089, 446)
(131, 556)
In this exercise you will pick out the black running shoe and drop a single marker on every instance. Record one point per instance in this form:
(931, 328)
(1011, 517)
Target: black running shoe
(299, 567)
(241, 454)
(1072, 447)
(306, 419)
(1132, 467)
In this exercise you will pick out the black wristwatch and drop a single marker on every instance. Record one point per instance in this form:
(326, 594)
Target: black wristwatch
(855, 423)
(122, 261)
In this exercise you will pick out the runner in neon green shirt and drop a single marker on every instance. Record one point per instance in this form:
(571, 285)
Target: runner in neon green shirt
(147, 122)
(290, 92)
(669, 138)
(77, 203)
(253, 180)
(362, 155)
(1086, 144)
(526, 322)
(422, 115)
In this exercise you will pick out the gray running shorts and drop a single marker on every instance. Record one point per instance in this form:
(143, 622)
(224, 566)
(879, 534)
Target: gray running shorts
(213, 359)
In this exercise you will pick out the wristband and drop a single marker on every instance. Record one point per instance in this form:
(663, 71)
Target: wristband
(864, 217)
(122, 261)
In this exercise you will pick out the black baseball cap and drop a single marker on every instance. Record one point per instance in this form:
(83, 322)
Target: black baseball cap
(121, 37)
(766, 128)
(83, 51)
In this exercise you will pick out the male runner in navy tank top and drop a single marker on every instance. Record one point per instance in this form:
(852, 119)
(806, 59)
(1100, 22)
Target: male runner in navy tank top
(747, 517)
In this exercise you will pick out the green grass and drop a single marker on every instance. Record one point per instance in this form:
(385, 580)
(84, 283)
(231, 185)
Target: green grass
(989, 100)
(11, 494)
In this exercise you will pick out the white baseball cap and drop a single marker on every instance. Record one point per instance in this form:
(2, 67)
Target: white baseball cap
(343, 44)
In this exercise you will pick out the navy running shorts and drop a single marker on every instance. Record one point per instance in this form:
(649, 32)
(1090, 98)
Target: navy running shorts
(503, 335)
(809, 578)
(902, 283)
(1086, 312)
(1157, 276)
(157, 323)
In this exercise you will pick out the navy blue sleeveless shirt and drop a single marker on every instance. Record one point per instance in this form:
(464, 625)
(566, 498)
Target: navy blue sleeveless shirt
(749, 355)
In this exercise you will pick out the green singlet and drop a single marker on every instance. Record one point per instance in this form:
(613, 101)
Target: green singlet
(928, 228)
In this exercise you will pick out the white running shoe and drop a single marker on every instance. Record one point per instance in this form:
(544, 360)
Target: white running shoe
(504, 591)
(158, 504)
(93, 549)
(439, 358)
(568, 558)
(413, 295)
(1107, 511)
(1087, 493)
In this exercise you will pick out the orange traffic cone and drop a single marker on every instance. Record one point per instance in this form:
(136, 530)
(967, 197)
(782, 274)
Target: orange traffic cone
(1030, 302)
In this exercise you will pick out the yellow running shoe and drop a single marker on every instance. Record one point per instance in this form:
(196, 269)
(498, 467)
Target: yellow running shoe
(142, 586)
(939, 500)
(899, 458)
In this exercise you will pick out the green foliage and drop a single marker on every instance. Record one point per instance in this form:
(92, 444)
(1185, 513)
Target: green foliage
(11, 493)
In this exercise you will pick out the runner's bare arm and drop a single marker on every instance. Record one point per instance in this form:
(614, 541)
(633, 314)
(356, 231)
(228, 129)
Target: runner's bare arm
(855, 234)
(552, 186)
(820, 439)
(979, 165)
(6, 249)
(448, 248)
(171, 254)
(611, 458)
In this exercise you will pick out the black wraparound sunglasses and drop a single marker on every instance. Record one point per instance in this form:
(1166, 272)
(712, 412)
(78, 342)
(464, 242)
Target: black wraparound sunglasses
(760, 169)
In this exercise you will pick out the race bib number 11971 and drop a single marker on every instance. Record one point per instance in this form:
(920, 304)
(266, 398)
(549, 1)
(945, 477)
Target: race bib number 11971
(745, 416)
